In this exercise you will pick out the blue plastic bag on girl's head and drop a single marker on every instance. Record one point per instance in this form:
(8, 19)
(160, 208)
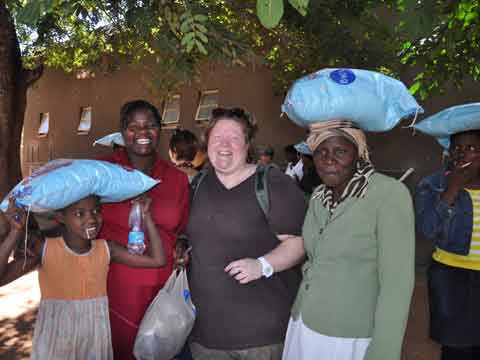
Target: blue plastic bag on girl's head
(111, 140)
(303, 148)
(375, 102)
(445, 123)
(60, 183)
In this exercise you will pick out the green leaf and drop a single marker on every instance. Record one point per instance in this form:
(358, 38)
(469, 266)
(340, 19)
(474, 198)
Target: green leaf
(202, 37)
(185, 27)
(415, 87)
(186, 15)
(300, 5)
(190, 46)
(200, 18)
(188, 37)
(201, 48)
(168, 13)
(201, 28)
(270, 12)
(406, 45)
(30, 13)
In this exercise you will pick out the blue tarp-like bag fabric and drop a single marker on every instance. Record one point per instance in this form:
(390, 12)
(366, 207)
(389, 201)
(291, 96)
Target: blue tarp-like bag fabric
(303, 148)
(375, 102)
(62, 182)
(451, 121)
(110, 140)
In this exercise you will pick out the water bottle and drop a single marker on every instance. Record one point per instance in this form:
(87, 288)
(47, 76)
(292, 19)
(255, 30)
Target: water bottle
(136, 236)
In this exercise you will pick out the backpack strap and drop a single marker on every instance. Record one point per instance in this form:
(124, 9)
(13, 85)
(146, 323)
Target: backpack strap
(195, 184)
(261, 187)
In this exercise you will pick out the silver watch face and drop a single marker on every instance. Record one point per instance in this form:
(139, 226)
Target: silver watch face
(267, 270)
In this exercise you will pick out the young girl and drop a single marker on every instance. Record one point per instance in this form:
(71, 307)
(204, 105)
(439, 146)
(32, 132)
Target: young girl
(72, 321)
(448, 213)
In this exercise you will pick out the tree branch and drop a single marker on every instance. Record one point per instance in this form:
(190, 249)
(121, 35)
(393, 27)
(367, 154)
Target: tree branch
(31, 76)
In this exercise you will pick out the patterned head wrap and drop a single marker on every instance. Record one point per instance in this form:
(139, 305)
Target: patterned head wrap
(358, 185)
(321, 131)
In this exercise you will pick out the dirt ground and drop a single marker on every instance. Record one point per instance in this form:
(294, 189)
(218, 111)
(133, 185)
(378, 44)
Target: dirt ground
(19, 301)
(18, 307)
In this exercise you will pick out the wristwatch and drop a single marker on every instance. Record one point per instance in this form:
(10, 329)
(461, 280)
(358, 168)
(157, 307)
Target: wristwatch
(267, 269)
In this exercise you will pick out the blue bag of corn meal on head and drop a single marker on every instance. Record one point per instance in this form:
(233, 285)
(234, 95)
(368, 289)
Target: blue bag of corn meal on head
(375, 102)
(62, 182)
(303, 148)
(110, 140)
(451, 121)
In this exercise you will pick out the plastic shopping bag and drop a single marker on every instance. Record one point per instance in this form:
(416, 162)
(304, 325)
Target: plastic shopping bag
(167, 321)
(448, 122)
(375, 102)
(62, 182)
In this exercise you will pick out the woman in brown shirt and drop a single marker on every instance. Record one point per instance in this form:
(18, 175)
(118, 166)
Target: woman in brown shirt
(243, 276)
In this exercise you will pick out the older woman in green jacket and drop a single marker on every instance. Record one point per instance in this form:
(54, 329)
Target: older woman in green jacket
(359, 238)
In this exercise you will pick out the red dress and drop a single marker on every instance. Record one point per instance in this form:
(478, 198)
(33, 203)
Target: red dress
(130, 290)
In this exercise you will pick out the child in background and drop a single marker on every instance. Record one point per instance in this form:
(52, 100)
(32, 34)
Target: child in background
(183, 149)
(73, 321)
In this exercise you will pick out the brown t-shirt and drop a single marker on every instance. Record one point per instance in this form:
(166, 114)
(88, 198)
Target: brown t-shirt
(227, 225)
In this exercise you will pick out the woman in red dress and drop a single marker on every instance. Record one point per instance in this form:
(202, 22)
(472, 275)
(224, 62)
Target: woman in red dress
(130, 290)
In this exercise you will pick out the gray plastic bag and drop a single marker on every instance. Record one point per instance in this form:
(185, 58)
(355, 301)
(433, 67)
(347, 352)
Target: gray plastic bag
(167, 321)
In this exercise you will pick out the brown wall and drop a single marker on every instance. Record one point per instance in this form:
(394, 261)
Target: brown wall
(62, 96)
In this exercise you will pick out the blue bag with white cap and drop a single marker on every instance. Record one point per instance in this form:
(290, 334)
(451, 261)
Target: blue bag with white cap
(375, 102)
(60, 183)
(448, 122)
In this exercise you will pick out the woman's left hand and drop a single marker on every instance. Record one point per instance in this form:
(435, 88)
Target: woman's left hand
(244, 270)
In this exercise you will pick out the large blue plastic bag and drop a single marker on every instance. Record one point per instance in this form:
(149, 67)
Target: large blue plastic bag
(303, 148)
(62, 182)
(167, 322)
(451, 121)
(375, 102)
(110, 140)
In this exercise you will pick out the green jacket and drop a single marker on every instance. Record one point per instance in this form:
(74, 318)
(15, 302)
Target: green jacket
(359, 274)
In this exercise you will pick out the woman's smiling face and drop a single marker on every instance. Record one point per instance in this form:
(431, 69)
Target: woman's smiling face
(227, 147)
(141, 134)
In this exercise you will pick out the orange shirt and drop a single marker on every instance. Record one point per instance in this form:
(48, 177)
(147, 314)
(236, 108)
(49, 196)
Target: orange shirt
(66, 275)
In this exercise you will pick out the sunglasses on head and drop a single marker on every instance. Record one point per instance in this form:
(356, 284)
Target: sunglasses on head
(229, 113)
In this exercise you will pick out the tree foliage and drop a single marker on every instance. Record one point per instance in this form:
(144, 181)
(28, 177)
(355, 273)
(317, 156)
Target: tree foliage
(173, 37)
(442, 39)
(293, 37)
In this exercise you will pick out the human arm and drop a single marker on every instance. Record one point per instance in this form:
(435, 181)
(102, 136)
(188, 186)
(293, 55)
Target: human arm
(155, 255)
(287, 254)
(458, 179)
(396, 273)
(438, 220)
(181, 252)
(286, 215)
(10, 271)
(4, 225)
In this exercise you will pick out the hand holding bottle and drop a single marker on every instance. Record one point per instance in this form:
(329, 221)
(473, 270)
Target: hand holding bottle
(139, 213)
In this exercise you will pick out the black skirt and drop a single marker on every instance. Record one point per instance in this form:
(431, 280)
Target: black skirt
(454, 295)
